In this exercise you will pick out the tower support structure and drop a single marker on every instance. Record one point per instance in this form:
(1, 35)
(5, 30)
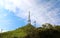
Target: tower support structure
(29, 20)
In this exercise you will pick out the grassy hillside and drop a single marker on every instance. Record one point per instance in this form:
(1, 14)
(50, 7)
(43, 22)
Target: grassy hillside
(19, 33)
(29, 31)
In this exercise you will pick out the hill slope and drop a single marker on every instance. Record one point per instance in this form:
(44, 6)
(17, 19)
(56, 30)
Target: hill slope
(29, 31)
(18, 33)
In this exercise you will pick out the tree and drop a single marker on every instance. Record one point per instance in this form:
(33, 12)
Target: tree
(47, 25)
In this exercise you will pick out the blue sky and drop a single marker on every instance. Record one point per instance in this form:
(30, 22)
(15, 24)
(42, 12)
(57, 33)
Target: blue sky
(9, 21)
(14, 13)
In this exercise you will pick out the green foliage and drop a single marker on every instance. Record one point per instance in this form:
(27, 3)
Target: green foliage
(29, 31)
(47, 25)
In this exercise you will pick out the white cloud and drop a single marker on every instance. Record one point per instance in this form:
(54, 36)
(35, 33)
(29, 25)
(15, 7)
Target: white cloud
(3, 15)
(39, 12)
(2, 30)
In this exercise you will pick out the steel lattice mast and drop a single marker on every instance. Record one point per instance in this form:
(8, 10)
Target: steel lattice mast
(29, 20)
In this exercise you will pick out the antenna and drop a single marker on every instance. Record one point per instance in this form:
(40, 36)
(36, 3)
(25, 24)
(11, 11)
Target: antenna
(35, 23)
(29, 20)
(1, 30)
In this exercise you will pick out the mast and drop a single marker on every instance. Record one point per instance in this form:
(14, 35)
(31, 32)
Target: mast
(29, 20)
(35, 23)
(1, 30)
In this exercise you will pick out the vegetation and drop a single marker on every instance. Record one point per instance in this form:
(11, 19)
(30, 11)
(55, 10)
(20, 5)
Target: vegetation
(29, 31)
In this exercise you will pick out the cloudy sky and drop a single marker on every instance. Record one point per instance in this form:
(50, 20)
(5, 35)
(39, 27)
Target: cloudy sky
(14, 13)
